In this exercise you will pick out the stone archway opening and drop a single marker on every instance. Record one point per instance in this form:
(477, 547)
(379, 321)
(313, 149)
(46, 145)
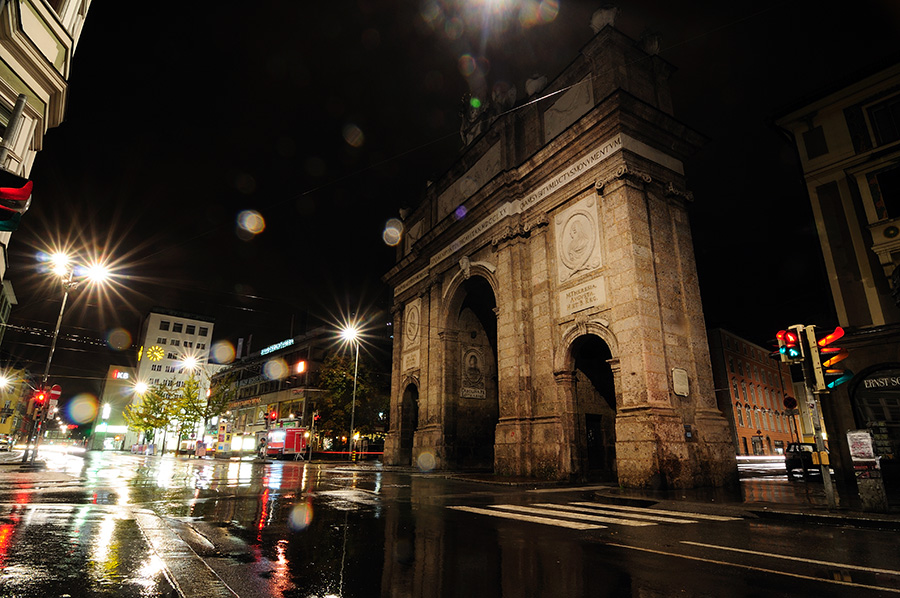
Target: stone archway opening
(473, 365)
(409, 422)
(595, 407)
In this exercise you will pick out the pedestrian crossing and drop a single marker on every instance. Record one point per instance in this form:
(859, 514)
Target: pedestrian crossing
(590, 516)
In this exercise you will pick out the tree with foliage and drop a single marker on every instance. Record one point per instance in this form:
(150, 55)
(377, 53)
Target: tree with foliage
(189, 407)
(221, 393)
(336, 402)
(155, 410)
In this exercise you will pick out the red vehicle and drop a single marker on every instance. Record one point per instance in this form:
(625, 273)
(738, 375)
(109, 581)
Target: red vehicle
(287, 443)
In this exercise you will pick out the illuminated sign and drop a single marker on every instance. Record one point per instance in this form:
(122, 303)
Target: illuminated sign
(120, 375)
(277, 346)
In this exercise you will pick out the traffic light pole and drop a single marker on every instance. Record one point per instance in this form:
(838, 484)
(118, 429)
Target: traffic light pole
(809, 334)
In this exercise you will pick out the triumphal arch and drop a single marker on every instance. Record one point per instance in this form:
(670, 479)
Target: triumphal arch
(547, 313)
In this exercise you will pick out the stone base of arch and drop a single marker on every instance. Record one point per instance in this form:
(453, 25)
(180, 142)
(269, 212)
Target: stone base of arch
(535, 448)
(655, 450)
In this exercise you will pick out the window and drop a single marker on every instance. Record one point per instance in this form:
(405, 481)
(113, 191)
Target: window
(177, 327)
(204, 331)
(188, 344)
(814, 140)
(171, 356)
(744, 390)
(164, 324)
(740, 416)
(170, 369)
(176, 342)
(885, 119)
(740, 367)
(737, 396)
(731, 364)
(190, 329)
(201, 345)
(885, 187)
(161, 341)
(155, 367)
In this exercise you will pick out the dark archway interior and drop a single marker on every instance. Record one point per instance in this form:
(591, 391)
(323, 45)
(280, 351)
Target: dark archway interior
(480, 299)
(409, 421)
(595, 397)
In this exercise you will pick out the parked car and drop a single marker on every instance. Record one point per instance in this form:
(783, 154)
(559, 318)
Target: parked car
(5, 442)
(799, 456)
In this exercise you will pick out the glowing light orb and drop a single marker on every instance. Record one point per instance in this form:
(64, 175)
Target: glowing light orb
(82, 408)
(223, 352)
(454, 28)
(475, 102)
(466, 65)
(251, 222)
(393, 232)
(300, 517)
(276, 369)
(118, 339)
(460, 212)
(549, 10)
(353, 135)
(426, 461)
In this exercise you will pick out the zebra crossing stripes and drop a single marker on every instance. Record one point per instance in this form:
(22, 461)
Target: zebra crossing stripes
(659, 511)
(529, 518)
(588, 516)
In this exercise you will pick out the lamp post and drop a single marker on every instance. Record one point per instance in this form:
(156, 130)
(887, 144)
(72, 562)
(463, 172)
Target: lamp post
(351, 334)
(65, 269)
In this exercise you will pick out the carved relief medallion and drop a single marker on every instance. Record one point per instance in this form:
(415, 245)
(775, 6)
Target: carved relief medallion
(577, 239)
(411, 324)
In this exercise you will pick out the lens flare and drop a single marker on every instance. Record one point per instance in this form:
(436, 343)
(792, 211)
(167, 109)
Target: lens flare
(426, 461)
(549, 10)
(276, 369)
(251, 222)
(353, 135)
(454, 28)
(466, 65)
(223, 352)
(300, 517)
(460, 212)
(393, 232)
(118, 339)
(82, 408)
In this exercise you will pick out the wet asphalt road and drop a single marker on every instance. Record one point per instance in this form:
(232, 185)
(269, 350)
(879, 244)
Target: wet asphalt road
(106, 524)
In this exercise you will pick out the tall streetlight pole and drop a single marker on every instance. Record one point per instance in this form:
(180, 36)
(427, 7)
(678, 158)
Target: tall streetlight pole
(351, 334)
(65, 269)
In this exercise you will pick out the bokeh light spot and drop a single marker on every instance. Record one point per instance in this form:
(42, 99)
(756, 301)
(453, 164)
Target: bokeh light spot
(549, 10)
(300, 517)
(250, 223)
(466, 65)
(426, 461)
(82, 408)
(276, 369)
(460, 212)
(393, 232)
(118, 339)
(223, 352)
(475, 102)
(454, 28)
(353, 135)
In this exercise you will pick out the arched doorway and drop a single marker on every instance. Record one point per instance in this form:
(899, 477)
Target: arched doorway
(595, 406)
(409, 421)
(472, 375)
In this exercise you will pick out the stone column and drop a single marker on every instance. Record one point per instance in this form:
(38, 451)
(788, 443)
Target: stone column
(392, 438)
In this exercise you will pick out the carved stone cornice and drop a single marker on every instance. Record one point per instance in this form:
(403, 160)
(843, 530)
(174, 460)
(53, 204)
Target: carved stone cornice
(622, 172)
(671, 191)
(520, 228)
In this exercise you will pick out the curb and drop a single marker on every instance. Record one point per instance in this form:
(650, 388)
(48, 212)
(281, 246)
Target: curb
(854, 520)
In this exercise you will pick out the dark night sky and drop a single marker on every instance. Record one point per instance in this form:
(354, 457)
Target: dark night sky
(180, 118)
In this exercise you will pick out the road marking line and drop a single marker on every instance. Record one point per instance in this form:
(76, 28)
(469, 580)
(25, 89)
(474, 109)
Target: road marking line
(751, 568)
(610, 512)
(598, 518)
(529, 518)
(660, 511)
(578, 489)
(797, 558)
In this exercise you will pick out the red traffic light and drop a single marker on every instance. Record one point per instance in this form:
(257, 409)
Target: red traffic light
(39, 396)
(273, 416)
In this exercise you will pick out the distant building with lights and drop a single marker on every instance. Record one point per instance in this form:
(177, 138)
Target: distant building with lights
(281, 378)
(848, 141)
(750, 390)
(109, 431)
(169, 341)
(37, 41)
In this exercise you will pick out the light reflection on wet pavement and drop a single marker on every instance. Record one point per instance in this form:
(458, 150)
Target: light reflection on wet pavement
(92, 525)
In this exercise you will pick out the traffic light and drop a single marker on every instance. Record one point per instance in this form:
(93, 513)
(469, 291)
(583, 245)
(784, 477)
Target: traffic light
(39, 396)
(826, 358)
(789, 346)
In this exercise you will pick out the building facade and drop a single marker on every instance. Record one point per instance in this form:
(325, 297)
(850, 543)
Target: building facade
(547, 314)
(282, 379)
(751, 389)
(170, 340)
(37, 41)
(110, 432)
(848, 143)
